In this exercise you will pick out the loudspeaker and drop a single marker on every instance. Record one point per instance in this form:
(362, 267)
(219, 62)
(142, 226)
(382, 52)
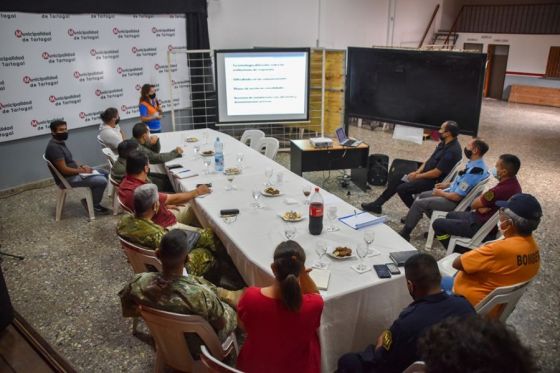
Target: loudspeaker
(378, 169)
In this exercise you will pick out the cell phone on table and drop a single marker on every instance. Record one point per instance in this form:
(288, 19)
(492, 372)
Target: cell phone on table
(382, 271)
(172, 166)
(393, 269)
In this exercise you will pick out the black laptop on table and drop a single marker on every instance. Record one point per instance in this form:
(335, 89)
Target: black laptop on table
(345, 140)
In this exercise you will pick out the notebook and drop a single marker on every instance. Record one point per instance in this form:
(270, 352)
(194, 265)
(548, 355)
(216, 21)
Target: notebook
(321, 278)
(362, 220)
(400, 257)
(183, 173)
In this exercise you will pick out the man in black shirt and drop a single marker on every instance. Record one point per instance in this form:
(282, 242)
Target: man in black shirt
(395, 349)
(435, 169)
(59, 155)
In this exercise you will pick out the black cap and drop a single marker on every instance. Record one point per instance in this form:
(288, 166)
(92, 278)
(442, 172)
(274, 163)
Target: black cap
(524, 205)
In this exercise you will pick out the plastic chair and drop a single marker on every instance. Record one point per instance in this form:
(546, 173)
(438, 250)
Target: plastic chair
(505, 296)
(476, 240)
(251, 138)
(416, 367)
(451, 175)
(115, 195)
(214, 365)
(168, 330)
(64, 187)
(110, 156)
(269, 146)
(122, 205)
(461, 206)
(140, 258)
(445, 265)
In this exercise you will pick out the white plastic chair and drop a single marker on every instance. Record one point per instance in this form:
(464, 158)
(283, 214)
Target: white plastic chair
(451, 175)
(269, 146)
(507, 296)
(114, 195)
(476, 240)
(416, 367)
(64, 188)
(251, 138)
(214, 365)
(168, 330)
(111, 159)
(445, 265)
(461, 206)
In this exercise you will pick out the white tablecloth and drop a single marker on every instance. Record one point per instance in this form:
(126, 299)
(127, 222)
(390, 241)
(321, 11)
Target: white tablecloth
(358, 307)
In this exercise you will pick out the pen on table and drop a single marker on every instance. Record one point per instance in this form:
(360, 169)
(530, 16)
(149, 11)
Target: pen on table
(355, 213)
(180, 172)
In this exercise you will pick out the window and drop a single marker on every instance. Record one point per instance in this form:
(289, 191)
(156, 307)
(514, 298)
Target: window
(553, 65)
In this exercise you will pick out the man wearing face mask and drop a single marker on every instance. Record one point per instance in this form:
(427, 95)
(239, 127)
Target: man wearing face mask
(441, 162)
(109, 131)
(467, 223)
(150, 145)
(396, 347)
(510, 261)
(446, 196)
(59, 155)
(150, 110)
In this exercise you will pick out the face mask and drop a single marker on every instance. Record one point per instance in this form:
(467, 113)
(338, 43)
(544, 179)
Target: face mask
(499, 225)
(494, 173)
(61, 136)
(468, 153)
(118, 120)
(152, 96)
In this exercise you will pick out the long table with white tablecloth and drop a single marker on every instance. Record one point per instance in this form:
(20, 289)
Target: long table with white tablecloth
(357, 306)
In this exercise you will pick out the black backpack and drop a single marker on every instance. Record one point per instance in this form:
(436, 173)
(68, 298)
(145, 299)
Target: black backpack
(378, 169)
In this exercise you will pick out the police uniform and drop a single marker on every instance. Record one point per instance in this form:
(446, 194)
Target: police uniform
(467, 223)
(473, 173)
(398, 349)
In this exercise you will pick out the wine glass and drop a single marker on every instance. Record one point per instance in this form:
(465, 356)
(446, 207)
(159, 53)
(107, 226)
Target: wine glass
(279, 178)
(321, 250)
(240, 157)
(331, 215)
(268, 173)
(289, 230)
(196, 150)
(362, 251)
(369, 237)
(205, 137)
(229, 178)
(306, 192)
(256, 193)
(207, 162)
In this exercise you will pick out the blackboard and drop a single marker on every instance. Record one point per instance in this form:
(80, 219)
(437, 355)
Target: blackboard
(415, 88)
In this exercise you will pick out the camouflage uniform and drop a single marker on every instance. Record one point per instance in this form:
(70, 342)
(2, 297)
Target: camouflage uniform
(153, 152)
(190, 295)
(146, 233)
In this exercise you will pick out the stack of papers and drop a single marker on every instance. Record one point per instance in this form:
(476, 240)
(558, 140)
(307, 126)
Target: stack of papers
(183, 173)
(362, 220)
(321, 278)
(92, 173)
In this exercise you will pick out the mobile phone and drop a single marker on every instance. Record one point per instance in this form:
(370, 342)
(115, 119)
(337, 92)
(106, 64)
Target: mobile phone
(209, 185)
(172, 166)
(229, 212)
(393, 269)
(382, 271)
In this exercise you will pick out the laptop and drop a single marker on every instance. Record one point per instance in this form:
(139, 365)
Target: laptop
(344, 140)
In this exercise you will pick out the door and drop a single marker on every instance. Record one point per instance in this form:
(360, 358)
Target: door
(496, 70)
(473, 47)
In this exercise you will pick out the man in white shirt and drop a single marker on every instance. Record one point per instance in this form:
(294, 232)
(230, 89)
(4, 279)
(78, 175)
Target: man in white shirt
(109, 131)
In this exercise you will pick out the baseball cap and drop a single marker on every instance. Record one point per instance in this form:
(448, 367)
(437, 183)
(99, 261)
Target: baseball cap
(524, 205)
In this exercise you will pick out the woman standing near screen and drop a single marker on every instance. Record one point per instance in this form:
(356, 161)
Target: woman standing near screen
(282, 320)
(150, 110)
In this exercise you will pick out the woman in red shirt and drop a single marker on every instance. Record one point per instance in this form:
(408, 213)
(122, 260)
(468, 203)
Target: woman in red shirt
(281, 320)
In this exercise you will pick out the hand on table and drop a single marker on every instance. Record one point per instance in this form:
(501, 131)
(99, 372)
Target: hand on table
(179, 150)
(153, 139)
(203, 189)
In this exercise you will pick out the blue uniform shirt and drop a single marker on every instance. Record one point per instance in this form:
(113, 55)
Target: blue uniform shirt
(154, 124)
(474, 173)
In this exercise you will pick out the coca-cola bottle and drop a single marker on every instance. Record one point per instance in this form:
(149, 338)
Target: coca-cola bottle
(316, 213)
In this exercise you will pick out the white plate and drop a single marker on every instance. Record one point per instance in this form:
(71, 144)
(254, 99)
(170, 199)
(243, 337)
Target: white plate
(292, 221)
(191, 139)
(270, 195)
(206, 155)
(236, 171)
(330, 253)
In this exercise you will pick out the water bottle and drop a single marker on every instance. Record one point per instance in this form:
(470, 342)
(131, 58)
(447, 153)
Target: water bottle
(218, 155)
(316, 207)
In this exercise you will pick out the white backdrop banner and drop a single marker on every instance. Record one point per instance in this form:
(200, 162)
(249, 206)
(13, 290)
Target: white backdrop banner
(72, 67)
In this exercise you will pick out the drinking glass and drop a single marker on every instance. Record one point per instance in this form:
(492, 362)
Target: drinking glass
(289, 230)
(268, 173)
(306, 192)
(229, 178)
(369, 237)
(279, 178)
(256, 193)
(205, 137)
(362, 252)
(196, 150)
(240, 157)
(207, 162)
(321, 250)
(331, 215)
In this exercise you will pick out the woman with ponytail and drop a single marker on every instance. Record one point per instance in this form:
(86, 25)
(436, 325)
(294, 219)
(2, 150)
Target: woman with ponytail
(281, 320)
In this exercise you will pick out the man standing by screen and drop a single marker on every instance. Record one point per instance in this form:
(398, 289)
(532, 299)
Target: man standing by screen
(435, 169)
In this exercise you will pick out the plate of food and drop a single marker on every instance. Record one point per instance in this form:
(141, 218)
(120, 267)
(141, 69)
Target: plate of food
(271, 192)
(341, 253)
(291, 216)
(207, 153)
(232, 171)
(191, 139)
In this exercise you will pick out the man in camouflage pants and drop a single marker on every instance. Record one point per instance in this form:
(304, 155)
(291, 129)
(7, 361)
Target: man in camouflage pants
(141, 230)
(171, 291)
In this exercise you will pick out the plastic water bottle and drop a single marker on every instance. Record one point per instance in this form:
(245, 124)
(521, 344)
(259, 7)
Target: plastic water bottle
(218, 155)
(316, 207)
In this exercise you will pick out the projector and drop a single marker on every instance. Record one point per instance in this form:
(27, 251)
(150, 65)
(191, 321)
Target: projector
(321, 142)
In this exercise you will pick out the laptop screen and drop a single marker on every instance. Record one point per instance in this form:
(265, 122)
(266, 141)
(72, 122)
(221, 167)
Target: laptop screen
(341, 134)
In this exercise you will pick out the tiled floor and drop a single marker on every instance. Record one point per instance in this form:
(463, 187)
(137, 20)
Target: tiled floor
(66, 287)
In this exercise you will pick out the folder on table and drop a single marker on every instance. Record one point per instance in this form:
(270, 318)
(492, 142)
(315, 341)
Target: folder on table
(321, 278)
(362, 220)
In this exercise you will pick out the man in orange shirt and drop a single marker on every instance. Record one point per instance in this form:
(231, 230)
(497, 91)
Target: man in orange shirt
(506, 262)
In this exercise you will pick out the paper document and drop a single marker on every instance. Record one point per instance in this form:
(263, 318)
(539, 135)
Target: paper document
(92, 173)
(321, 278)
(362, 220)
(183, 173)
